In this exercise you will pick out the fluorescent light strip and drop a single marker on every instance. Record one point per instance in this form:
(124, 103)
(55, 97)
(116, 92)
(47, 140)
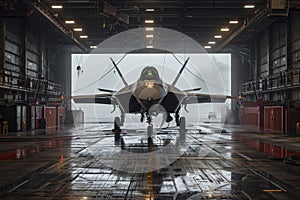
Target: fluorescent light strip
(83, 36)
(77, 29)
(249, 6)
(93, 47)
(149, 36)
(149, 47)
(150, 9)
(233, 22)
(224, 29)
(211, 42)
(57, 6)
(70, 22)
(149, 28)
(149, 21)
(218, 36)
(207, 47)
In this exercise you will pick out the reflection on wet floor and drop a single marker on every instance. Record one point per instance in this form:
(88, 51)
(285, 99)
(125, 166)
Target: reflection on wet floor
(89, 164)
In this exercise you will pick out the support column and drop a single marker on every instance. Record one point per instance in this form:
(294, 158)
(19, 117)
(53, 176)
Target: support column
(63, 76)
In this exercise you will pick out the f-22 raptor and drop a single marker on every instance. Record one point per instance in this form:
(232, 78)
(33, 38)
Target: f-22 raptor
(149, 96)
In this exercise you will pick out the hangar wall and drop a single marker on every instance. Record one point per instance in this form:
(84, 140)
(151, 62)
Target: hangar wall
(275, 73)
(28, 81)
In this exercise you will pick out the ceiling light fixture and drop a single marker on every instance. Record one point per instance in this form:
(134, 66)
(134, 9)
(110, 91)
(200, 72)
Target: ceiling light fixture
(224, 29)
(149, 28)
(218, 36)
(211, 42)
(149, 21)
(233, 22)
(77, 29)
(149, 36)
(150, 9)
(83, 36)
(207, 47)
(249, 6)
(93, 47)
(57, 6)
(70, 22)
(149, 47)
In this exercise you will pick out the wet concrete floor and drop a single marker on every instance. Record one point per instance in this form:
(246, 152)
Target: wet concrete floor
(85, 162)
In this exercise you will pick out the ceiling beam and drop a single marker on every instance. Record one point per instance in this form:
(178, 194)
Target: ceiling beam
(53, 20)
(260, 14)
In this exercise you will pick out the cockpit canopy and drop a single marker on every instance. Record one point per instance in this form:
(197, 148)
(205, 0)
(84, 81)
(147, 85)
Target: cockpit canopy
(149, 73)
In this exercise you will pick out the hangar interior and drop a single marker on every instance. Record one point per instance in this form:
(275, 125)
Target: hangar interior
(37, 40)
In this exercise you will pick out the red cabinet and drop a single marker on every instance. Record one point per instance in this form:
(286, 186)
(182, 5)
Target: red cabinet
(273, 118)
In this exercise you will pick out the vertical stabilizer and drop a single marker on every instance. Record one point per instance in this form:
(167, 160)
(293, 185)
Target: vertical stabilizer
(119, 72)
(178, 75)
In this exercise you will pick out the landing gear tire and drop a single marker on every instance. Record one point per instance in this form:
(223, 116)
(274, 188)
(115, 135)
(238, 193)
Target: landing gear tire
(182, 125)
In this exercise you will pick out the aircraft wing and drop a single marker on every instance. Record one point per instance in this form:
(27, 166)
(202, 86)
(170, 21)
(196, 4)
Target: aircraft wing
(98, 98)
(193, 98)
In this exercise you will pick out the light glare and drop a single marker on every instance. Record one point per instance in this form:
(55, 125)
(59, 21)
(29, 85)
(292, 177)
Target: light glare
(224, 29)
(70, 22)
(233, 22)
(149, 21)
(149, 28)
(150, 10)
(57, 6)
(249, 6)
(77, 29)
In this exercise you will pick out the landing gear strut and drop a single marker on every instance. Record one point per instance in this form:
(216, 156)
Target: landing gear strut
(149, 132)
(182, 126)
(117, 129)
(177, 120)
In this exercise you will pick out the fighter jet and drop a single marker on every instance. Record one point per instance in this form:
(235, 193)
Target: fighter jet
(149, 96)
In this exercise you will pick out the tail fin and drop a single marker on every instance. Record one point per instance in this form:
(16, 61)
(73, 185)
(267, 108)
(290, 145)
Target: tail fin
(120, 74)
(178, 75)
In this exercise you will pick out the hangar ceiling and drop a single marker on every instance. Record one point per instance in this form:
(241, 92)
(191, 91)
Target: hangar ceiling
(201, 20)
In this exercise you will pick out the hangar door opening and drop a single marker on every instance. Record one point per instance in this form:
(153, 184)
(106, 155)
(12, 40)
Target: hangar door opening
(210, 72)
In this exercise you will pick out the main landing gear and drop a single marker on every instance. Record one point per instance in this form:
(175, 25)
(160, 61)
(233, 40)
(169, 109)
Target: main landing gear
(149, 132)
(182, 125)
(117, 129)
